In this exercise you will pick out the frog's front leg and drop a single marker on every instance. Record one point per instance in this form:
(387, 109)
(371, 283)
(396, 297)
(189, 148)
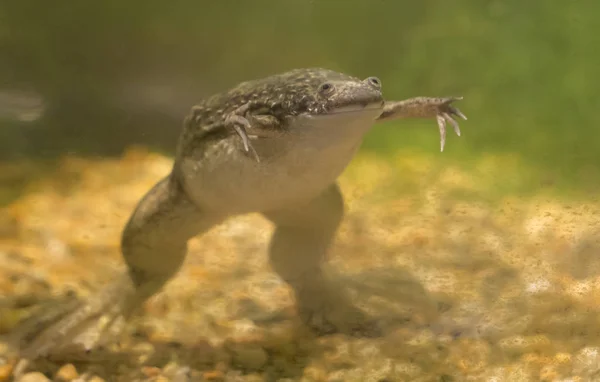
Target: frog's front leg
(425, 107)
(298, 249)
(243, 119)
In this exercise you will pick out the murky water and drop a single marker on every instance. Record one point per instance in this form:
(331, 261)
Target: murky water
(479, 264)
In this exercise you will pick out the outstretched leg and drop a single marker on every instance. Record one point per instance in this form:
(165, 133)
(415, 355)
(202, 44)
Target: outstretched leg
(298, 248)
(425, 107)
(154, 245)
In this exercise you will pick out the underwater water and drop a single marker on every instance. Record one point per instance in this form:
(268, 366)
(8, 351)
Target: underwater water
(480, 263)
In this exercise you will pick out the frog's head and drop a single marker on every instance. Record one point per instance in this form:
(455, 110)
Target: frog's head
(324, 92)
(324, 106)
(317, 107)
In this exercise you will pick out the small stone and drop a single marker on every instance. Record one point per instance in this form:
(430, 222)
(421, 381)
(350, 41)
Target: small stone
(565, 324)
(563, 358)
(245, 330)
(250, 357)
(222, 365)
(5, 372)
(171, 368)
(151, 371)
(347, 375)
(314, 373)
(406, 371)
(378, 369)
(144, 350)
(471, 356)
(214, 375)
(518, 345)
(182, 374)
(341, 357)
(520, 373)
(34, 377)
(587, 362)
(67, 372)
(286, 366)
(549, 373)
(563, 362)
(511, 372)
(415, 344)
(255, 377)
(203, 352)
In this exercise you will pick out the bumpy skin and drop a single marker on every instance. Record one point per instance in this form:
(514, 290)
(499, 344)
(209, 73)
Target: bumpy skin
(274, 146)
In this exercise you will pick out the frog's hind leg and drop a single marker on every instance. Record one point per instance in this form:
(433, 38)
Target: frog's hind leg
(298, 249)
(154, 246)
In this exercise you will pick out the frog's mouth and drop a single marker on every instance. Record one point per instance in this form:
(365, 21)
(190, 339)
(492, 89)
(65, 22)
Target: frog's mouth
(357, 108)
(342, 123)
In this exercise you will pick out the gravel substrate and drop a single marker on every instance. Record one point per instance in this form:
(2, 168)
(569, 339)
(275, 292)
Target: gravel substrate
(468, 291)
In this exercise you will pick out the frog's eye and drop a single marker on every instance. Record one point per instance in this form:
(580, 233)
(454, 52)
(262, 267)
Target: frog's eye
(326, 88)
(375, 82)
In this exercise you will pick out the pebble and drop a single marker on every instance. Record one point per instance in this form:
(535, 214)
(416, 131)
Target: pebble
(509, 373)
(213, 375)
(5, 372)
(564, 324)
(182, 374)
(202, 352)
(471, 356)
(244, 330)
(250, 357)
(549, 373)
(151, 371)
(406, 371)
(67, 372)
(255, 377)
(341, 357)
(586, 362)
(314, 373)
(346, 375)
(518, 345)
(34, 377)
(95, 378)
(420, 347)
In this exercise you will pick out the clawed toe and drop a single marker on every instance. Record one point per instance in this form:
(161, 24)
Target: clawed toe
(240, 125)
(353, 323)
(447, 113)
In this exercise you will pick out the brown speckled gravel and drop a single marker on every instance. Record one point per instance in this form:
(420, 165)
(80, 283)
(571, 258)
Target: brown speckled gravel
(467, 290)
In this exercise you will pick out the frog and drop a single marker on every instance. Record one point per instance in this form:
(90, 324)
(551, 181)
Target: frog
(274, 146)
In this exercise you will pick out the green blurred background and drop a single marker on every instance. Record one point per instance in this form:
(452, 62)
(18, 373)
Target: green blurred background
(93, 78)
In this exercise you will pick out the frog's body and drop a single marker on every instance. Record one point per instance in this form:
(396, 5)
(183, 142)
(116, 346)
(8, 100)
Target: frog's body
(292, 166)
(308, 140)
(274, 146)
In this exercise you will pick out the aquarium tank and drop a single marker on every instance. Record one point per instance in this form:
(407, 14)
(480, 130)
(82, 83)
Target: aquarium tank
(255, 191)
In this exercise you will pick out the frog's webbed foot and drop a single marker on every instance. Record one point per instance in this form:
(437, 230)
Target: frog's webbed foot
(75, 325)
(326, 309)
(446, 112)
(240, 124)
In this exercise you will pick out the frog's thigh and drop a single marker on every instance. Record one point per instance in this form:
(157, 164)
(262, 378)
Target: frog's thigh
(154, 242)
(303, 235)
